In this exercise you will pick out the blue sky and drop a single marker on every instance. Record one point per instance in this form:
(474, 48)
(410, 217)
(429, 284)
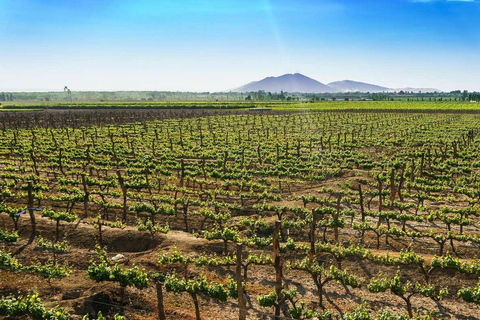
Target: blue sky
(210, 45)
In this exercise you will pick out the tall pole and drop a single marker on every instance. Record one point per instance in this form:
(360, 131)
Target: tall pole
(30, 210)
(278, 269)
(161, 308)
(242, 304)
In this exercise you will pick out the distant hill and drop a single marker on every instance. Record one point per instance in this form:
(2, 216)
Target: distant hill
(287, 83)
(355, 86)
(302, 84)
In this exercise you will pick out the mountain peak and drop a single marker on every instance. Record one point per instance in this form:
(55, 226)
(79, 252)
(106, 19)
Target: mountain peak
(289, 82)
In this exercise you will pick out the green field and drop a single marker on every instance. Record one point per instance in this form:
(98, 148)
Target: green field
(293, 106)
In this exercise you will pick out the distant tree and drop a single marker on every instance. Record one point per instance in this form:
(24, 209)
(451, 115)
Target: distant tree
(474, 97)
(249, 97)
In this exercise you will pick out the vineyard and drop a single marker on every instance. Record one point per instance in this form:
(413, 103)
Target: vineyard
(224, 213)
(326, 105)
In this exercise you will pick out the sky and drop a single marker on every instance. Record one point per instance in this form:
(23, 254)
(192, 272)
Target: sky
(216, 45)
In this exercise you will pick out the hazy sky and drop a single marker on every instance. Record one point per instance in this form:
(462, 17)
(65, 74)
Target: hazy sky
(212, 45)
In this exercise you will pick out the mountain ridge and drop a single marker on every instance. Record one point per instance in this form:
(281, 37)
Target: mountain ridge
(288, 83)
(356, 86)
(299, 83)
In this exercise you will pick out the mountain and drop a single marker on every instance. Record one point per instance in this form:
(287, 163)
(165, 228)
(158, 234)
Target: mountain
(354, 86)
(287, 83)
(299, 83)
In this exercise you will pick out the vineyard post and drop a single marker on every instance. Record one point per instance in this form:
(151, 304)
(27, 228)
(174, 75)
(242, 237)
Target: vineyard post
(400, 183)
(412, 172)
(337, 215)
(362, 209)
(182, 173)
(30, 210)
(161, 308)
(278, 270)
(34, 161)
(225, 158)
(392, 185)
(203, 168)
(380, 199)
(242, 305)
(60, 158)
(259, 154)
(124, 191)
(243, 158)
(380, 196)
(422, 164)
(312, 235)
(87, 195)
